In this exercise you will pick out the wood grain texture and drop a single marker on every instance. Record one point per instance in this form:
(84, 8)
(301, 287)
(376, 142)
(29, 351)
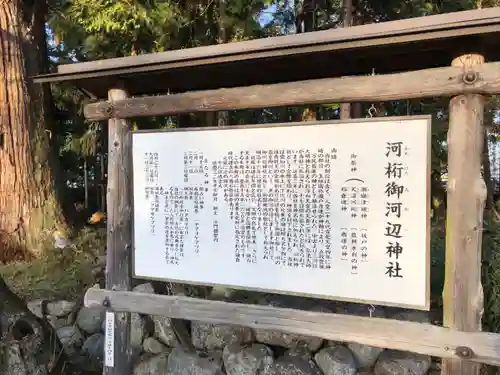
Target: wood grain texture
(447, 81)
(385, 333)
(463, 292)
(119, 236)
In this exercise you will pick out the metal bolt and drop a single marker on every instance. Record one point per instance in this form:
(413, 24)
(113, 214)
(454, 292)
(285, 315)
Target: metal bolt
(109, 109)
(470, 77)
(464, 352)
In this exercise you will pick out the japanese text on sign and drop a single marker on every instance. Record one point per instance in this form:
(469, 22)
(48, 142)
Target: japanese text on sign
(328, 210)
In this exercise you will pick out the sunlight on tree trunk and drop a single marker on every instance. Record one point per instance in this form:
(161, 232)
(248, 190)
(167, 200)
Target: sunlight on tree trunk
(29, 209)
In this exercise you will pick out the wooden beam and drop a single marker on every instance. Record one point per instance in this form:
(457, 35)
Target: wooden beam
(119, 236)
(424, 26)
(463, 292)
(384, 333)
(445, 81)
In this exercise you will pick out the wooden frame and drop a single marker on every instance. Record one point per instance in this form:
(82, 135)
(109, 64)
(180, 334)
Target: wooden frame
(355, 50)
(480, 347)
(481, 79)
(309, 123)
(389, 30)
(474, 347)
(461, 344)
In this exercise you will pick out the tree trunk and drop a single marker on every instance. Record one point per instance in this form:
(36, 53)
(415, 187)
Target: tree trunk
(28, 344)
(29, 207)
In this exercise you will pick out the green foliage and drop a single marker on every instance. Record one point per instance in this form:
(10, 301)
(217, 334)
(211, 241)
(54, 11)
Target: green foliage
(86, 144)
(437, 262)
(57, 275)
(491, 244)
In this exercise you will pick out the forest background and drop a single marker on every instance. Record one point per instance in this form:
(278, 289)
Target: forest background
(53, 161)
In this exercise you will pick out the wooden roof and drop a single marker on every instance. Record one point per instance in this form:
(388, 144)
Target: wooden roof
(394, 46)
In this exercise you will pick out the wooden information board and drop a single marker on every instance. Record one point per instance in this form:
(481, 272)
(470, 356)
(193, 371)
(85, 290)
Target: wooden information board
(336, 210)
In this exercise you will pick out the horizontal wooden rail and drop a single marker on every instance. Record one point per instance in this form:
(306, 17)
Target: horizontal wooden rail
(448, 81)
(420, 338)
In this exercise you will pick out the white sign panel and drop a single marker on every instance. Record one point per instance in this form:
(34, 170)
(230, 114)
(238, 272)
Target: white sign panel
(334, 210)
(109, 340)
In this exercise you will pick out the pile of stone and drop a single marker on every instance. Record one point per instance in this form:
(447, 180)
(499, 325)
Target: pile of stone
(224, 349)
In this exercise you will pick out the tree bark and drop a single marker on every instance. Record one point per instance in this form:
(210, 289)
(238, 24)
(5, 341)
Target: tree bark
(28, 344)
(29, 207)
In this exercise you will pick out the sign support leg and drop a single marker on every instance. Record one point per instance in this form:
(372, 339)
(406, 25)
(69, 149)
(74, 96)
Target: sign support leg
(463, 292)
(119, 236)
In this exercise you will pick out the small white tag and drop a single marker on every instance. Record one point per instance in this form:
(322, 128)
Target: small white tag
(109, 342)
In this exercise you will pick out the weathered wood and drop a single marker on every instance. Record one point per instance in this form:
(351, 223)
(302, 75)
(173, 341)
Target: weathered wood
(119, 237)
(445, 81)
(463, 292)
(385, 333)
(283, 44)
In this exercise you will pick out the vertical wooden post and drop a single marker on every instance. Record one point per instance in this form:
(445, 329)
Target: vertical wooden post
(463, 293)
(119, 239)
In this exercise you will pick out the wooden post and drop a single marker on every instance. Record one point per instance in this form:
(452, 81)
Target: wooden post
(119, 238)
(463, 293)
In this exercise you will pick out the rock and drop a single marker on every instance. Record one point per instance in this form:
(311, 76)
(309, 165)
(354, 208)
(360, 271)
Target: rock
(301, 351)
(287, 340)
(93, 349)
(71, 339)
(137, 330)
(291, 364)
(144, 288)
(336, 360)
(84, 364)
(16, 360)
(216, 336)
(247, 360)
(36, 307)
(90, 319)
(163, 330)
(56, 322)
(365, 355)
(290, 340)
(152, 345)
(153, 365)
(393, 362)
(4, 324)
(182, 363)
(60, 308)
